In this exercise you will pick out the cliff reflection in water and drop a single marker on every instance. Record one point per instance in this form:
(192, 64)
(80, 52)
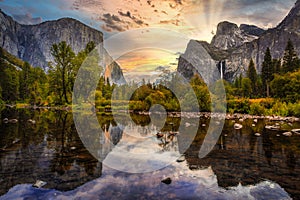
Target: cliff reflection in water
(46, 147)
(51, 150)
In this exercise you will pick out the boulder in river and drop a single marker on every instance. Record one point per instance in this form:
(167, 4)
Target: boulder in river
(181, 159)
(288, 134)
(272, 127)
(237, 126)
(296, 131)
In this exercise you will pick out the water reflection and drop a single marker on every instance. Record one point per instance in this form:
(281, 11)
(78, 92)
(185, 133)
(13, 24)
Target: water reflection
(242, 157)
(51, 150)
(48, 150)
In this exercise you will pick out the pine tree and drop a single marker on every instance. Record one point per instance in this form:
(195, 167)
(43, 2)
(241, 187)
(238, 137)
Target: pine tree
(290, 58)
(277, 66)
(25, 81)
(252, 75)
(267, 71)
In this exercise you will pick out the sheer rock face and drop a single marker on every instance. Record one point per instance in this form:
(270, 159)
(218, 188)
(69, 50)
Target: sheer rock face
(276, 39)
(229, 35)
(32, 43)
(229, 45)
(196, 60)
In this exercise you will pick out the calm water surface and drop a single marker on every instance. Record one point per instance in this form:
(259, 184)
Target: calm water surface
(44, 145)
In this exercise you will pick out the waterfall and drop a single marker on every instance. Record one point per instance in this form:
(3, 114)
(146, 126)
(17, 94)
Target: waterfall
(221, 70)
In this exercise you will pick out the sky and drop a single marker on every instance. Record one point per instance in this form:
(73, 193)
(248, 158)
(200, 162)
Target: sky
(193, 19)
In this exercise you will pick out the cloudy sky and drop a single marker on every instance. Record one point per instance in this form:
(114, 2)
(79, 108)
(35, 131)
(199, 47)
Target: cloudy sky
(196, 19)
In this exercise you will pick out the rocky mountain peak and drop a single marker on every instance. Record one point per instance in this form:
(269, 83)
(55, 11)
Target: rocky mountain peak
(226, 28)
(252, 30)
(229, 35)
(292, 20)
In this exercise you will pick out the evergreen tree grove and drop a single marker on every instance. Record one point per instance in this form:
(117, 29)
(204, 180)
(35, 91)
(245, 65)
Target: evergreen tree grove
(267, 71)
(290, 58)
(252, 75)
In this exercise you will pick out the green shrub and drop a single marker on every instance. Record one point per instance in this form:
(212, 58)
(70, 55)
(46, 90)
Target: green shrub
(294, 109)
(239, 106)
(257, 109)
(280, 109)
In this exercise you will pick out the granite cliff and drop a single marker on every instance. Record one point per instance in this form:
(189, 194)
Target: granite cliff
(235, 46)
(32, 43)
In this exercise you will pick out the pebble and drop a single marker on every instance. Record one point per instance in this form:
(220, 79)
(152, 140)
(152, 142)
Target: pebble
(187, 124)
(32, 121)
(288, 134)
(39, 184)
(257, 134)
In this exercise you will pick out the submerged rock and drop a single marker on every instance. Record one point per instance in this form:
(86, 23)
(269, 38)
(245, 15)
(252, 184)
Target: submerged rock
(272, 127)
(167, 181)
(13, 121)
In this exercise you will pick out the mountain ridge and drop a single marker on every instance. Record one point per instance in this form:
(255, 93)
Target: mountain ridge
(32, 43)
(237, 57)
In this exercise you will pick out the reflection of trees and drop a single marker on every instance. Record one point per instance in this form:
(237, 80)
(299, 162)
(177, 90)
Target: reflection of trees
(70, 149)
(267, 146)
(275, 158)
(290, 159)
(49, 149)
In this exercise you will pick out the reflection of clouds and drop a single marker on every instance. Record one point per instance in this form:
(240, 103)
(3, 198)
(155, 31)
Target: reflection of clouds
(139, 154)
(186, 184)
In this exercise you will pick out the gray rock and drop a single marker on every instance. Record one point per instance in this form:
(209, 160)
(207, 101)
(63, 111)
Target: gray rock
(296, 131)
(288, 134)
(237, 126)
(181, 159)
(196, 60)
(39, 184)
(238, 45)
(32, 43)
(229, 36)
